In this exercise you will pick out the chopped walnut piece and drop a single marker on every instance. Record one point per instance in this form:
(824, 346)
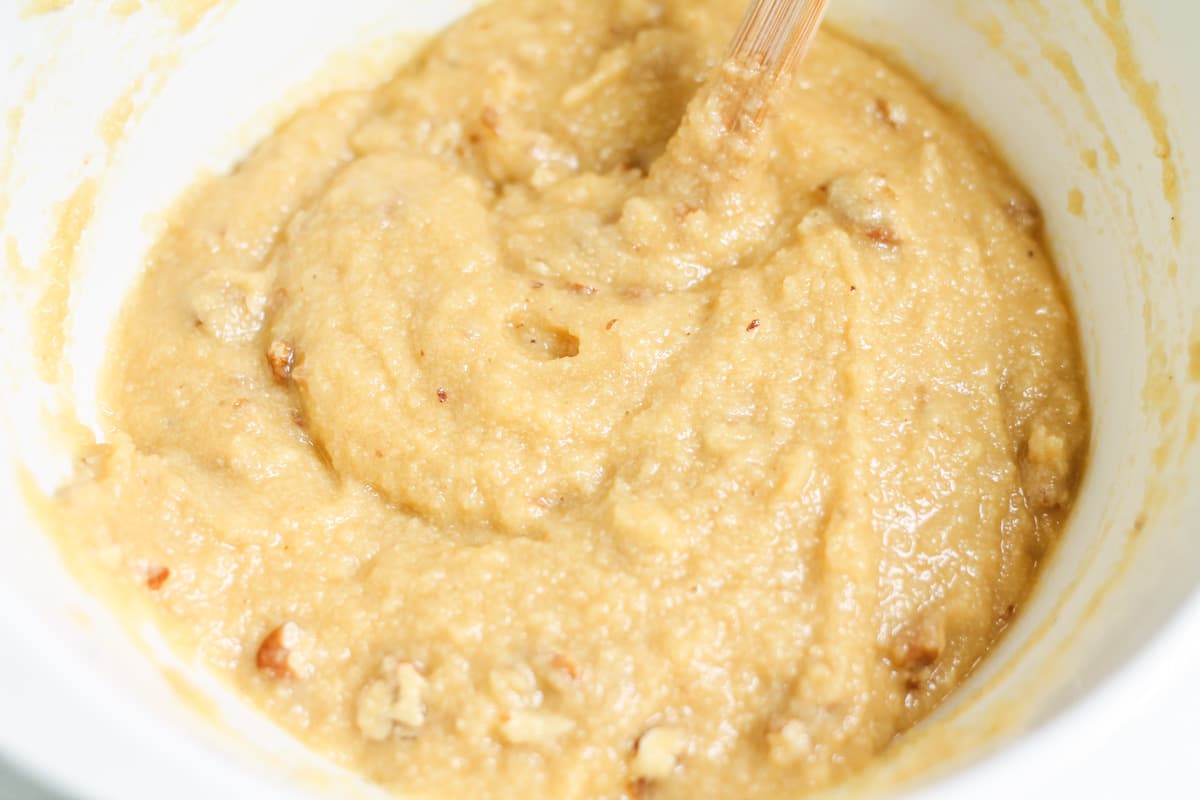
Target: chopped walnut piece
(278, 655)
(442, 395)
(281, 356)
(894, 116)
(915, 653)
(657, 753)
(156, 577)
(1047, 449)
(229, 305)
(1048, 469)
(753, 325)
(525, 726)
(566, 665)
(1022, 210)
(561, 672)
(394, 702)
(884, 236)
(918, 647)
(865, 204)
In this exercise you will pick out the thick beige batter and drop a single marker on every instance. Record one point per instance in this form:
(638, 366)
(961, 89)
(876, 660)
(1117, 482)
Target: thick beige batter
(497, 453)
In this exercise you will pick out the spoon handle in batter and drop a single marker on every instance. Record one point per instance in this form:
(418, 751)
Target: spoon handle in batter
(772, 41)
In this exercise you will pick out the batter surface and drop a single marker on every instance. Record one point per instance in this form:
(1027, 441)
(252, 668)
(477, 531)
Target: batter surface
(498, 448)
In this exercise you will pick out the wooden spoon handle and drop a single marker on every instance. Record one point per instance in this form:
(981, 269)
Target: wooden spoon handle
(773, 39)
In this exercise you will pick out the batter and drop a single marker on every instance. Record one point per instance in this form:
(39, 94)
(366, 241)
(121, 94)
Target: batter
(514, 432)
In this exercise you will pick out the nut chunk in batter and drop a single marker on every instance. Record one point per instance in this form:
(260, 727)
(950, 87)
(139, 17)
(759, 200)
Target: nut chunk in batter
(513, 432)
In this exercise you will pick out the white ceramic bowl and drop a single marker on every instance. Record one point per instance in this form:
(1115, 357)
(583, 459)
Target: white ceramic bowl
(1079, 94)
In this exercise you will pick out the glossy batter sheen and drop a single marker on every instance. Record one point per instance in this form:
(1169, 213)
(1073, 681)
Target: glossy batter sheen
(498, 449)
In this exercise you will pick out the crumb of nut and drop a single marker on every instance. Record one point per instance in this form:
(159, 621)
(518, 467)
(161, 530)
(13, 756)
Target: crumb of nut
(278, 655)
(282, 357)
(609, 325)
(1048, 468)
(230, 305)
(884, 236)
(566, 665)
(753, 325)
(579, 288)
(562, 673)
(1022, 210)
(788, 742)
(392, 703)
(657, 752)
(918, 647)
(1048, 449)
(867, 205)
(490, 118)
(894, 116)
(442, 395)
(156, 577)
(525, 726)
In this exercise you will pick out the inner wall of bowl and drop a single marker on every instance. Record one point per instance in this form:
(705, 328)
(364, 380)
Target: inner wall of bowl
(1041, 80)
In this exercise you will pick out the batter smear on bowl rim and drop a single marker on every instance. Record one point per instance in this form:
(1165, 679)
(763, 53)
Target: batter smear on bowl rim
(496, 448)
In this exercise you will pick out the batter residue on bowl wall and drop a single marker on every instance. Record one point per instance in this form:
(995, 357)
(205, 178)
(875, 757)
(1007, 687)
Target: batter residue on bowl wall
(497, 447)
